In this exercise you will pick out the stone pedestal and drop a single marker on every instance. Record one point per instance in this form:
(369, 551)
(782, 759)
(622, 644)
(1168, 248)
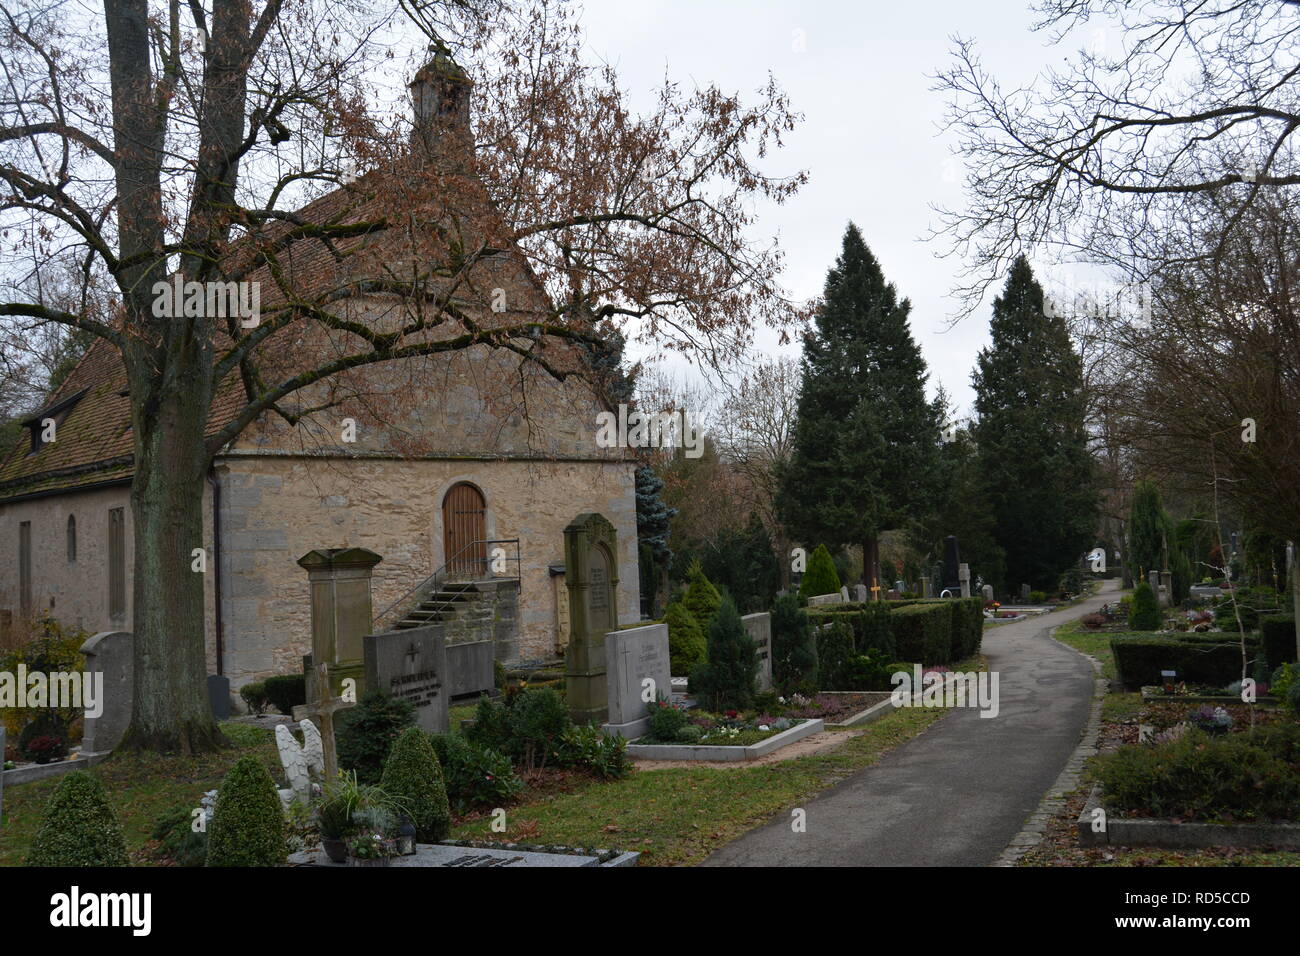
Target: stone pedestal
(591, 578)
(341, 610)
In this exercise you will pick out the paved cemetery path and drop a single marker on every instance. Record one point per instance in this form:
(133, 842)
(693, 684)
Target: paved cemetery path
(958, 794)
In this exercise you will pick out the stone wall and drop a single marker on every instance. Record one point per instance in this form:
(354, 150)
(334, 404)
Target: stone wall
(278, 507)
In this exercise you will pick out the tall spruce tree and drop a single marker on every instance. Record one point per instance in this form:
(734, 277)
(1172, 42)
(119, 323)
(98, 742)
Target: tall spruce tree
(1150, 530)
(866, 439)
(1033, 446)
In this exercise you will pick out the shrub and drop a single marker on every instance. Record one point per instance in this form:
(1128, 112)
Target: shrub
(873, 632)
(45, 738)
(537, 718)
(834, 651)
(475, 776)
(1251, 603)
(821, 576)
(413, 778)
(286, 691)
(727, 678)
(367, 731)
(591, 749)
(869, 672)
(701, 597)
(1037, 597)
(1144, 615)
(1197, 658)
(177, 841)
(79, 827)
(491, 727)
(666, 720)
(248, 826)
(686, 646)
(254, 697)
(794, 648)
(1277, 633)
(923, 632)
(1250, 775)
(54, 649)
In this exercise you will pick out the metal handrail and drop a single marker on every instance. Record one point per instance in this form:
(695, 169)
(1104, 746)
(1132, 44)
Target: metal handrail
(431, 581)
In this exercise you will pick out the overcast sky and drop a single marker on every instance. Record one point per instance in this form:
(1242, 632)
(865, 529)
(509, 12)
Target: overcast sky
(870, 137)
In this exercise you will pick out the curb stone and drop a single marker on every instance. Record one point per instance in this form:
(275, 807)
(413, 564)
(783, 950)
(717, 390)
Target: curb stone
(1031, 834)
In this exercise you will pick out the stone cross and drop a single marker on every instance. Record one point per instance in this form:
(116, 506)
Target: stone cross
(322, 712)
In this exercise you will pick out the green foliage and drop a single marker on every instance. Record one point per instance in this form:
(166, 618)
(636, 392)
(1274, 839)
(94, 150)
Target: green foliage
(79, 827)
(821, 576)
(666, 720)
(726, 679)
(1196, 658)
(834, 652)
(739, 560)
(475, 776)
(701, 598)
(794, 649)
(53, 649)
(367, 731)
(869, 672)
(1250, 604)
(1037, 470)
(248, 825)
(491, 727)
(1144, 614)
(178, 843)
(686, 645)
(1149, 530)
(413, 778)
(537, 719)
(286, 691)
(1277, 632)
(873, 632)
(923, 632)
(254, 697)
(1253, 775)
(866, 439)
(592, 749)
(1181, 570)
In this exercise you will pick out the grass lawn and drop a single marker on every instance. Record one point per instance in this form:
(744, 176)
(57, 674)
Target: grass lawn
(141, 787)
(678, 816)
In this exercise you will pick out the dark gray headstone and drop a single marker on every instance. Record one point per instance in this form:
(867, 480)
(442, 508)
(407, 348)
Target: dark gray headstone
(470, 669)
(412, 664)
(109, 653)
(951, 561)
(219, 696)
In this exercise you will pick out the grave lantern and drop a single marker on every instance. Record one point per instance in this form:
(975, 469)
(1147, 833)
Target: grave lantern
(1169, 677)
(406, 837)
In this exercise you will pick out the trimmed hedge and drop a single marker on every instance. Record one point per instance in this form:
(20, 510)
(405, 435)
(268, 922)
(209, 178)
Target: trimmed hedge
(248, 826)
(413, 778)
(923, 632)
(1277, 633)
(876, 627)
(286, 691)
(1197, 658)
(79, 827)
(834, 653)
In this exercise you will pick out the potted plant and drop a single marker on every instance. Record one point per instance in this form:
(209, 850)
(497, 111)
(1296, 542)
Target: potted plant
(346, 808)
(47, 749)
(370, 849)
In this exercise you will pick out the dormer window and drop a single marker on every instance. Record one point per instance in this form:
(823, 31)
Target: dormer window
(44, 425)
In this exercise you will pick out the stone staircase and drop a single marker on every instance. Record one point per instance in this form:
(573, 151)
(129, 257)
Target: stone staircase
(448, 602)
(469, 611)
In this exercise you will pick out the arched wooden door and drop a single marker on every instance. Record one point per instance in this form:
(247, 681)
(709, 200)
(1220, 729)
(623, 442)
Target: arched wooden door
(464, 530)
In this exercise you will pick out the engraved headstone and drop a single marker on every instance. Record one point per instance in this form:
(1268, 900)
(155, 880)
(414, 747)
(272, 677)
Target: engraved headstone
(638, 674)
(860, 593)
(412, 664)
(591, 576)
(988, 593)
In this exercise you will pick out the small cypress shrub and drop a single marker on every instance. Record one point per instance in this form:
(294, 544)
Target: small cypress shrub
(254, 697)
(79, 827)
(248, 827)
(727, 678)
(413, 778)
(367, 731)
(686, 646)
(702, 598)
(1144, 614)
(794, 649)
(821, 576)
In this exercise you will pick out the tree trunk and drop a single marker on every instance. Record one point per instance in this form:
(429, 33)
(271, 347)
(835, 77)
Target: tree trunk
(170, 710)
(1293, 553)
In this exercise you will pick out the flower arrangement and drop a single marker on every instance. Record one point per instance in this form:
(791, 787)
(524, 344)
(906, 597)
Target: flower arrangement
(1212, 720)
(47, 749)
(371, 846)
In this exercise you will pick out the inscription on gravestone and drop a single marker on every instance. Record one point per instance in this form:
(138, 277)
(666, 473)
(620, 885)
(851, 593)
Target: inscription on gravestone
(412, 664)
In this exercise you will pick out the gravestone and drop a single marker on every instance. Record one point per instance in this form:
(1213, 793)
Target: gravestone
(927, 588)
(470, 669)
(819, 599)
(963, 577)
(1024, 594)
(341, 611)
(860, 593)
(632, 657)
(591, 577)
(321, 711)
(219, 696)
(759, 628)
(988, 593)
(412, 664)
(109, 653)
(844, 594)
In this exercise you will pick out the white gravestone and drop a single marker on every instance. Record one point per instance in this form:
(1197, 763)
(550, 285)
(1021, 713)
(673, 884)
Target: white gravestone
(637, 675)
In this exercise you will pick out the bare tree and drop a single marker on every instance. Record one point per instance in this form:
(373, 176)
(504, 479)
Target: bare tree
(178, 141)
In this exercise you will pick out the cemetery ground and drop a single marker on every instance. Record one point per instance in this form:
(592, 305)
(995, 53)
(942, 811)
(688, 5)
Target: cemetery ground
(1121, 713)
(673, 816)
